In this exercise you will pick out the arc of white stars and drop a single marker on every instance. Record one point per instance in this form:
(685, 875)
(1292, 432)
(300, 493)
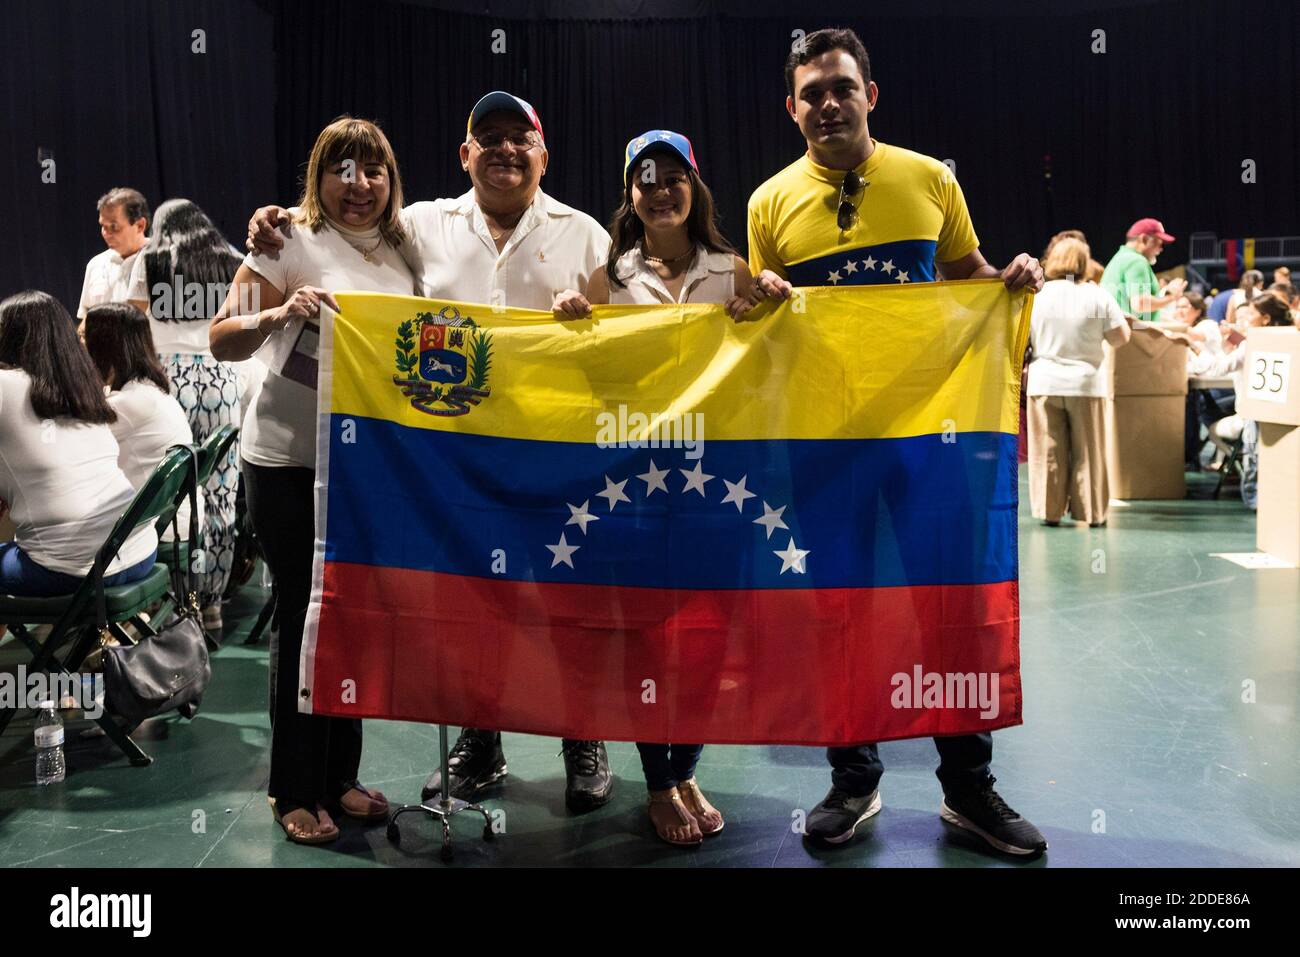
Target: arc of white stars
(563, 552)
(888, 267)
(578, 515)
(833, 278)
(902, 275)
(737, 493)
(849, 266)
(613, 492)
(654, 479)
(869, 263)
(696, 478)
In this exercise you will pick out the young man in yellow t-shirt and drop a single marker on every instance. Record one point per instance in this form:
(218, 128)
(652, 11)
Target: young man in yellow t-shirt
(854, 211)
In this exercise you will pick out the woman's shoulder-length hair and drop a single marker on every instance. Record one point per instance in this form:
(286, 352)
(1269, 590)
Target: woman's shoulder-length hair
(363, 142)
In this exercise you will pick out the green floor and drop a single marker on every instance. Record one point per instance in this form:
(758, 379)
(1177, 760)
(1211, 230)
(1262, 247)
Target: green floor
(1137, 748)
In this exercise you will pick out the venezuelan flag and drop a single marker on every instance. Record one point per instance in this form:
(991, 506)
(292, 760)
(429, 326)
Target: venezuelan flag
(658, 524)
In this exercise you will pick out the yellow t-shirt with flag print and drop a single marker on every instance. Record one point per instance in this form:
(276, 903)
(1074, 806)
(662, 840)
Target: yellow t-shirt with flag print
(911, 214)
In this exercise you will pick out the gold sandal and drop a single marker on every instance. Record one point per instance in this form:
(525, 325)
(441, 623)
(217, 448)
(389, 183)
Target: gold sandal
(699, 807)
(684, 817)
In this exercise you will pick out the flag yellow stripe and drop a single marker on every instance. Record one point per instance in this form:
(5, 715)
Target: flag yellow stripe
(863, 362)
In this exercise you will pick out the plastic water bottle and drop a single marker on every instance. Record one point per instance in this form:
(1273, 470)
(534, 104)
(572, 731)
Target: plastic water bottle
(50, 765)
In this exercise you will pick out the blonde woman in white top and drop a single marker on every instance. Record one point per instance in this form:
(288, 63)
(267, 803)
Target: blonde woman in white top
(666, 249)
(1066, 392)
(347, 237)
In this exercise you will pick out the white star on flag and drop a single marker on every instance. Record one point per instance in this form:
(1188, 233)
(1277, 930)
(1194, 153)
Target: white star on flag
(578, 515)
(771, 519)
(695, 479)
(902, 276)
(850, 266)
(887, 266)
(869, 263)
(736, 492)
(791, 558)
(833, 278)
(654, 479)
(563, 552)
(613, 493)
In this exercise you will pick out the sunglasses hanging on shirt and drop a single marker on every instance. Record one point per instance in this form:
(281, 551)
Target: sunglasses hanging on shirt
(848, 213)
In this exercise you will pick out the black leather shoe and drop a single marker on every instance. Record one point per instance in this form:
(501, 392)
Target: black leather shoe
(588, 780)
(982, 811)
(474, 764)
(837, 817)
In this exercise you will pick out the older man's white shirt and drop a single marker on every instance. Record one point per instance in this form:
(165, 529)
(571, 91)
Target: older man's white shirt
(451, 252)
(108, 279)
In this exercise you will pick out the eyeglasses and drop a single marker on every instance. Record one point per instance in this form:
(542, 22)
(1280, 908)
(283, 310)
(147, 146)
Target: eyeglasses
(848, 213)
(521, 140)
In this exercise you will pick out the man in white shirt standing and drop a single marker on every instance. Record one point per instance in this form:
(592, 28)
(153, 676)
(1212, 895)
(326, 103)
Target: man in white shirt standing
(123, 220)
(504, 243)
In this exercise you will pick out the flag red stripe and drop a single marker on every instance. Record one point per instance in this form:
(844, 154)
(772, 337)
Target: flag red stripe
(776, 666)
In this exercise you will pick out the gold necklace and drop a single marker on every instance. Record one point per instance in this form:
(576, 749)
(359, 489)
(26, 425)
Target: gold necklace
(668, 262)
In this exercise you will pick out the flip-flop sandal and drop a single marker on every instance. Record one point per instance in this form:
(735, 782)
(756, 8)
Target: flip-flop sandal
(693, 798)
(684, 817)
(321, 837)
(379, 814)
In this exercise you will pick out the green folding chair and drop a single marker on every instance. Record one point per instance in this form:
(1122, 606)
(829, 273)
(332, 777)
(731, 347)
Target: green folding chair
(79, 619)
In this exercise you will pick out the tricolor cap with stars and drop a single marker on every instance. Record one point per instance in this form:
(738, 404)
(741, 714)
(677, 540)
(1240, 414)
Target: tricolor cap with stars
(675, 143)
(500, 100)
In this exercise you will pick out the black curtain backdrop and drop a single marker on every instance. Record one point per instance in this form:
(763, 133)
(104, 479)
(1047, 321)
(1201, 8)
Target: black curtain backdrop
(1045, 133)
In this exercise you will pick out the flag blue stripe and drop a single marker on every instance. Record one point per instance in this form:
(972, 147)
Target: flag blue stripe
(870, 512)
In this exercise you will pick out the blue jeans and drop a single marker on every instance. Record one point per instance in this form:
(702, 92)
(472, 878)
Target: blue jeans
(963, 763)
(19, 575)
(668, 765)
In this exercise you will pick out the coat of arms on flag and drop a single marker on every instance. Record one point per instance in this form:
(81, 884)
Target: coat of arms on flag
(451, 350)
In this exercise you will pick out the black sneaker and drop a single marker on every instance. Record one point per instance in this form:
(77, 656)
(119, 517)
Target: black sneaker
(475, 763)
(839, 814)
(982, 811)
(588, 780)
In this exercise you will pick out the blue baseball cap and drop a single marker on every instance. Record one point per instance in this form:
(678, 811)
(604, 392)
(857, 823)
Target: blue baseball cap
(500, 100)
(659, 139)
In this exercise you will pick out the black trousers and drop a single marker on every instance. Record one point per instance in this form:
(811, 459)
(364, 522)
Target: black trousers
(312, 757)
(963, 762)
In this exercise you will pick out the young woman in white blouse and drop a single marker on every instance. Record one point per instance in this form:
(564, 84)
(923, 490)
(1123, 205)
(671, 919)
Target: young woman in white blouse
(666, 249)
(346, 236)
(149, 419)
(59, 475)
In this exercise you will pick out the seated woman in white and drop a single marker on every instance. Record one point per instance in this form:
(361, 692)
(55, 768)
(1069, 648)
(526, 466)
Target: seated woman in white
(149, 420)
(58, 459)
(1265, 309)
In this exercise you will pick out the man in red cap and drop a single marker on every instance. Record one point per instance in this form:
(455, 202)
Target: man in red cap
(1130, 278)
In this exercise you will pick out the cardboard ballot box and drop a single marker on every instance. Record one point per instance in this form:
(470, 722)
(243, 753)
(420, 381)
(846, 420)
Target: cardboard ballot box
(1271, 396)
(1144, 417)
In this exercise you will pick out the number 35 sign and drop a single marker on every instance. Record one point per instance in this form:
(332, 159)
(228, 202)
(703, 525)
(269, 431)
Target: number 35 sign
(1268, 377)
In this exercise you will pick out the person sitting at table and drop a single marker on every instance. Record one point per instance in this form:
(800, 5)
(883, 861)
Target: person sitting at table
(149, 420)
(1204, 406)
(58, 457)
(1265, 309)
